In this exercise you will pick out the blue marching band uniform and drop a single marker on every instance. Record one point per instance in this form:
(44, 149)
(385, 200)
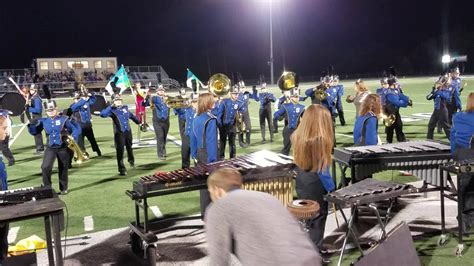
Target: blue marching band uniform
(82, 113)
(330, 102)
(35, 108)
(339, 94)
(4, 227)
(292, 113)
(55, 127)
(161, 122)
(394, 99)
(441, 97)
(243, 99)
(366, 130)
(122, 132)
(265, 111)
(455, 100)
(226, 119)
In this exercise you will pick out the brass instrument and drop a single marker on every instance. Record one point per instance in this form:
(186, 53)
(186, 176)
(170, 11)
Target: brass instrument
(219, 84)
(240, 125)
(320, 91)
(388, 120)
(79, 155)
(177, 102)
(288, 81)
(83, 90)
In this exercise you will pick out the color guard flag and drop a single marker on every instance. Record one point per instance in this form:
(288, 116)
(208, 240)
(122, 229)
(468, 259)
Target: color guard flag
(121, 81)
(190, 77)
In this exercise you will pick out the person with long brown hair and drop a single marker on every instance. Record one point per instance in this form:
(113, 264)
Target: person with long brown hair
(361, 92)
(312, 146)
(366, 124)
(203, 138)
(462, 147)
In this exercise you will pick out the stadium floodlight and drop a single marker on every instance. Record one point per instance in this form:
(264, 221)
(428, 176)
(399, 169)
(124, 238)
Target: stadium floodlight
(446, 59)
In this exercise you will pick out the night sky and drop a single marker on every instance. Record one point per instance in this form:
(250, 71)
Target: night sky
(356, 36)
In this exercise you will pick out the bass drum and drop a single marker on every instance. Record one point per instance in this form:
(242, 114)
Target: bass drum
(13, 102)
(99, 105)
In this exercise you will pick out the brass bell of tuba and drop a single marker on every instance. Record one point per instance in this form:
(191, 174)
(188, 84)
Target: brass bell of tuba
(219, 84)
(388, 120)
(288, 80)
(79, 155)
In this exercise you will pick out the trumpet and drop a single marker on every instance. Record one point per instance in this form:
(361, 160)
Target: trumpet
(177, 102)
(388, 120)
(79, 155)
(219, 84)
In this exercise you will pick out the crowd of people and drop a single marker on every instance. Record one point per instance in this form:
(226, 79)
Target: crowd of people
(29, 76)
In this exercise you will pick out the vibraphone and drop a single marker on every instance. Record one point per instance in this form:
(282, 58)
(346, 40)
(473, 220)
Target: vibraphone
(421, 158)
(366, 192)
(452, 193)
(262, 171)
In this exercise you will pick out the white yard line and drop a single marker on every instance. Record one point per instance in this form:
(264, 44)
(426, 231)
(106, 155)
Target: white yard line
(16, 135)
(12, 234)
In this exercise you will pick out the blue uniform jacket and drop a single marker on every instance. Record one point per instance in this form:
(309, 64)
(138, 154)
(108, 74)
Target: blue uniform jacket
(120, 116)
(83, 107)
(441, 95)
(55, 129)
(330, 101)
(462, 130)
(204, 129)
(161, 110)
(326, 180)
(264, 98)
(457, 84)
(340, 93)
(226, 112)
(189, 114)
(243, 99)
(36, 105)
(292, 112)
(3, 176)
(180, 112)
(369, 121)
(396, 98)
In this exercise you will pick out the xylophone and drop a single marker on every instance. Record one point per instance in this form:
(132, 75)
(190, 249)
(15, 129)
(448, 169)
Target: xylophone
(21, 195)
(263, 171)
(366, 192)
(460, 167)
(421, 158)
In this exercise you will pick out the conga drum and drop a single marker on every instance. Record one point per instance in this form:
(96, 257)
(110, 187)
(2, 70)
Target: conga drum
(304, 210)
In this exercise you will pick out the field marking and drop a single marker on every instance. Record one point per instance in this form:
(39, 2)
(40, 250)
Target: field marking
(16, 135)
(344, 135)
(88, 223)
(12, 234)
(156, 211)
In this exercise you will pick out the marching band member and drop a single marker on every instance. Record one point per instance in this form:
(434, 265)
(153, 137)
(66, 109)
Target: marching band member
(313, 143)
(35, 108)
(361, 92)
(181, 113)
(189, 114)
(366, 124)
(139, 95)
(455, 102)
(291, 112)
(122, 132)
(4, 144)
(284, 98)
(54, 126)
(226, 122)
(4, 227)
(244, 97)
(265, 112)
(203, 139)
(253, 225)
(339, 94)
(161, 119)
(26, 94)
(462, 148)
(441, 95)
(81, 109)
(382, 91)
(331, 96)
(395, 99)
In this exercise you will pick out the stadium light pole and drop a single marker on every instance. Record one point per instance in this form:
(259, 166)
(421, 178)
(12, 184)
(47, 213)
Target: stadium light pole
(272, 78)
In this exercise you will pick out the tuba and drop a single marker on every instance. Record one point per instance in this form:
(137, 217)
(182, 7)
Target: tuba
(79, 155)
(288, 80)
(388, 120)
(219, 84)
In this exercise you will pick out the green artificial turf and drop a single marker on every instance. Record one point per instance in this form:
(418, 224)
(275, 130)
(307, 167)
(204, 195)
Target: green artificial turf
(96, 189)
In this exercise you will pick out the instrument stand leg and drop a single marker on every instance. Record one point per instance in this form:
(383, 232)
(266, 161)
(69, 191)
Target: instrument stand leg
(381, 223)
(460, 246)
(443, 238)
(49, 241)
(349, 231)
